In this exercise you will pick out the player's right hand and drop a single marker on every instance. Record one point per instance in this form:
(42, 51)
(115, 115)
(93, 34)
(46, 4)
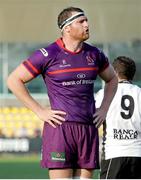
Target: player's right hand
(52, 117)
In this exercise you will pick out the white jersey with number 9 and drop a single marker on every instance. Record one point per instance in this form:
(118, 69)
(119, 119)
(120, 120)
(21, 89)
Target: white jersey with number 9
(122, 133)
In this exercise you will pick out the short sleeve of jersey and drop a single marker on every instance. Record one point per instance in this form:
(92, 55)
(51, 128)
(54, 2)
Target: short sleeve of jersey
(35, 63)
(103, 62)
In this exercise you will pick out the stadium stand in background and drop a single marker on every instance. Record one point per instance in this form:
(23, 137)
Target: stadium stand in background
(18, 122)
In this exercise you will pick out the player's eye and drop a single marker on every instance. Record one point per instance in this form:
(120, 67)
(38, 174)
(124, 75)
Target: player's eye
(83, 20)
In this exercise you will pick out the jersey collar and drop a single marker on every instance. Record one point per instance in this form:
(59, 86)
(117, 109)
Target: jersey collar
(60, 43)
(125, 81)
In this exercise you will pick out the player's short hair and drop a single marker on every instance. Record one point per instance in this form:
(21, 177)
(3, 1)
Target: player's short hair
(125, 67)
(67, 13)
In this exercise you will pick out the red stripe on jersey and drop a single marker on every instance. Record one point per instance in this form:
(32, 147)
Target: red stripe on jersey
(73, 70)
(28, 70)
(32, 67)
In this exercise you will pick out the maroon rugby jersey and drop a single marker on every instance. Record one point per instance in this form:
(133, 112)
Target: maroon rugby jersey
(69, 78)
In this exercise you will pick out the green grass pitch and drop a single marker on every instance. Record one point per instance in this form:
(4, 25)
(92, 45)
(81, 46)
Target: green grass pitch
(24, 167)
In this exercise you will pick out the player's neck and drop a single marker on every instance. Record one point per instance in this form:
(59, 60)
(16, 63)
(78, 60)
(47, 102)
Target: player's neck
(72, 45)
(123, 79)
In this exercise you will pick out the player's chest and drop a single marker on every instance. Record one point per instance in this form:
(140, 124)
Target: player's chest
(70, 67)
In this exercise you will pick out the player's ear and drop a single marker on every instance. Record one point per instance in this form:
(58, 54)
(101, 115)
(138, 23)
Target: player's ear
(67, 29)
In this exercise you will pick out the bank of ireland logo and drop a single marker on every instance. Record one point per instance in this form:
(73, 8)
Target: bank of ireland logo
(58, 156)
(81, 75)
(44, 52)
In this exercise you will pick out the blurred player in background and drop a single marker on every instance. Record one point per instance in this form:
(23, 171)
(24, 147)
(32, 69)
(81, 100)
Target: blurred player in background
(69, 68)
(122, 136)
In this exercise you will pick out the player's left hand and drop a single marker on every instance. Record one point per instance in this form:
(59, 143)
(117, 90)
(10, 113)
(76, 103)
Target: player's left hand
(99, 117)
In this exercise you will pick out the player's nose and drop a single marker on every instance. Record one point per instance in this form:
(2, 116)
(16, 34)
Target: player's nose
(86, 25)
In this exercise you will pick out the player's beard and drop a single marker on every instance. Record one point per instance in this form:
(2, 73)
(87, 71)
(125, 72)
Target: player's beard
(85, 36)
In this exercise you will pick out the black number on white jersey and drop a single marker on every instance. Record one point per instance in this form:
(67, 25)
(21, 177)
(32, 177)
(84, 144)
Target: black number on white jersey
(128, 109)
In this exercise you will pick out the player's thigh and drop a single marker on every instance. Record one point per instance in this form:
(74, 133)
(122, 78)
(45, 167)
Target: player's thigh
(60, 173)
(83, 173)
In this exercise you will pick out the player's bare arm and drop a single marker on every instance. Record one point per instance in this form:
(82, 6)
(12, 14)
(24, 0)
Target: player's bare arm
(111, 82)
(16, 83)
